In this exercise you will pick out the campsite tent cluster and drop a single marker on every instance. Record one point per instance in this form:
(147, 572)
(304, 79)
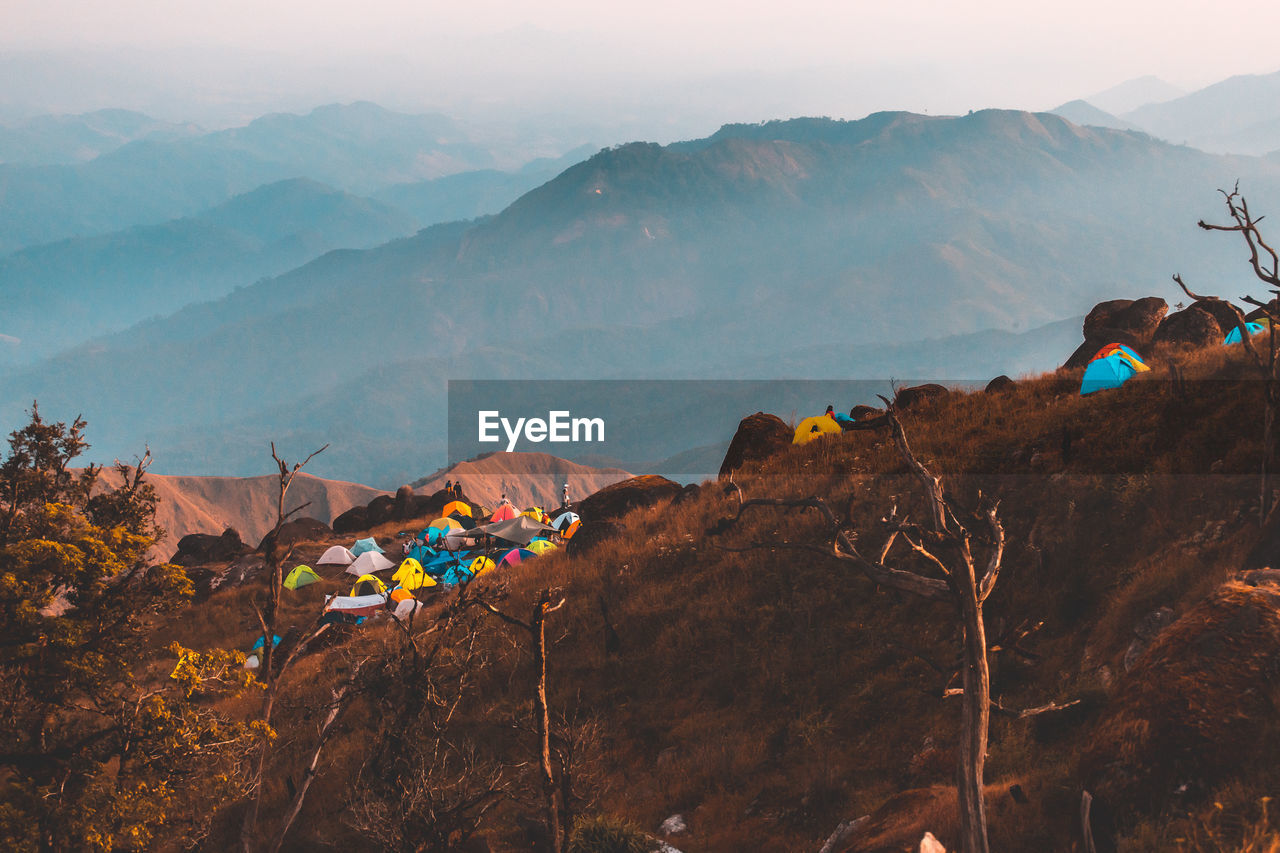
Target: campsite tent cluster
(1115, 364)
(451, 550)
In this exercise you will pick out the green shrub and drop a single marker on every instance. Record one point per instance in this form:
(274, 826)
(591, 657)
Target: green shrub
(604, 834)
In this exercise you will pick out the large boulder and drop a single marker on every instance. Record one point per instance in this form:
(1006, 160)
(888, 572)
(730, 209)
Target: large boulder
(197, 548)
(352, 521)
(1139, 317)
(999, 385)
(1197, 706)
(380, 510)
(299, 530)
(1119, 321)
(613, 502)
(1259, 313)
(758, 437)
(914, 395)
(865, 413)
(405, 504)
(1087, 350)
(1221, 311)
(1191, 327)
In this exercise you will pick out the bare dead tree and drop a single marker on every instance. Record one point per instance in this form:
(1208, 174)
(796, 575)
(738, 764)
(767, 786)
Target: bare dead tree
(271, 674)
(336, 707)
(946, 544)
(536, 628)
(1265, 262)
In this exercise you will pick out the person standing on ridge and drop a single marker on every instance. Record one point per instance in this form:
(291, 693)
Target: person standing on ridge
(564, 496)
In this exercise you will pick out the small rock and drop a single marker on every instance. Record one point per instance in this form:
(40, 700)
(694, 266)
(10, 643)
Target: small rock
(1146, 631)
(929, 844)
(673, 825)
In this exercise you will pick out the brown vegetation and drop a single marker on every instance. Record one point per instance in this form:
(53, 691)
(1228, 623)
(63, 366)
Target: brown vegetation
(770, 695)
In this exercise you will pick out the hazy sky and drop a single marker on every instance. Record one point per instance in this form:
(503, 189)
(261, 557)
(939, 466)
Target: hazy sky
(761, 59)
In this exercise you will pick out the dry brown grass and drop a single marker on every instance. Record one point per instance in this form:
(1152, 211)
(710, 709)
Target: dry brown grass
(768, 695)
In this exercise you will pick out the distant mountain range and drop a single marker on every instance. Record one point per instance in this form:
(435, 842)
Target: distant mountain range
(64, 293)
(53, 140)
(808, 246)
(1240, 115)
(156, 177)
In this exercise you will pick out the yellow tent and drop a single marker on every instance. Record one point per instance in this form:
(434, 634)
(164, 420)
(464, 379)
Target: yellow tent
(811, 428)
(458, 507)
(409, 566)
(300, 576)
(417, 580)
(368, 585)
(542, 546)
(479, 566)
(444, 525)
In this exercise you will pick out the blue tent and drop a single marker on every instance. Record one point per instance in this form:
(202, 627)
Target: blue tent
(1233, 336)
(1103, 373)
(363, 545)
(275, 641)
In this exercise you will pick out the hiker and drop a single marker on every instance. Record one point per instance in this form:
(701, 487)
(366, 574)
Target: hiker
(457, 490)
(831, 412)
(448, 486)
(564, 496)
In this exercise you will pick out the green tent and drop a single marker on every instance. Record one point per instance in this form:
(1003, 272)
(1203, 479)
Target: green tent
(300, 576)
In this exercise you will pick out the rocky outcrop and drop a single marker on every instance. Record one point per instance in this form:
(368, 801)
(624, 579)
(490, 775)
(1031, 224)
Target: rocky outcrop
(759, 436)
(1139, 317)
(1122, 321)
(999, 385)
(613, 502)
(914, 395)
(1191, 327)
(197, 548)
(298, 530)
(352, 521)
(864, 413)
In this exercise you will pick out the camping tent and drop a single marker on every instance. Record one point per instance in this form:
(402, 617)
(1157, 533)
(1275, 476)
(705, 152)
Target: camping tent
(363, 545)
(519, 530)
(1124, 352)
(567, 523)
(336, 556)
(479, 566)
(300, 576)
(1103, 373)
(456, 506)
(505, 512)
(408, 566)
(816, 427)
(1253, 327)
(444, 525)
(542, 546)
(516, 556)
(357, 605)
(368, 563)
(416, 579)
(368, 585)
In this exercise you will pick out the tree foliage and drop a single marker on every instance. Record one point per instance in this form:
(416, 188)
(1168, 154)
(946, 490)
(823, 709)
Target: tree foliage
(99, 746)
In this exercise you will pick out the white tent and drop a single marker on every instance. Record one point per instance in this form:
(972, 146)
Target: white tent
(368, 563)
(336, 556)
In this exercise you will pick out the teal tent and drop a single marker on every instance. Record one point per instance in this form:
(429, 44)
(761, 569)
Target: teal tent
(363, 545)
(1233, 336)
(1103, 373)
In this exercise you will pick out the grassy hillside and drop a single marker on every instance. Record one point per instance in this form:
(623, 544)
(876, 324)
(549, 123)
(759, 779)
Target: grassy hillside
(768, 695)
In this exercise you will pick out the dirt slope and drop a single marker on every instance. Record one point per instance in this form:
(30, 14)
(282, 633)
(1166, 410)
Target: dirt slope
(212, 504)
(527, 479)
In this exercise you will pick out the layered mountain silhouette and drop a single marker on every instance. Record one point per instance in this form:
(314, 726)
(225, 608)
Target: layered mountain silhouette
(805, 236)
(50, 140)
(60, 294)
(357, 147)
